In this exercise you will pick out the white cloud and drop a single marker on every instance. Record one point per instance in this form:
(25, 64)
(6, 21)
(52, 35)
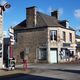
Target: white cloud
(77, 13)
(41, 10)
(2, 2)
(60, 11)
(50, 9)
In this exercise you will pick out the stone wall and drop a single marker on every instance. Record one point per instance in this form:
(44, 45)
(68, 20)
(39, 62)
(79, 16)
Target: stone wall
(31, 39)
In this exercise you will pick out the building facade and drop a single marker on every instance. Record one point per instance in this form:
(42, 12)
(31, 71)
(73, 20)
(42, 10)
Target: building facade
(44, 38)
(78, 46)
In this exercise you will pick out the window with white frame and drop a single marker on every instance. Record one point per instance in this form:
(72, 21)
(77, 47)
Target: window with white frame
(53, 35)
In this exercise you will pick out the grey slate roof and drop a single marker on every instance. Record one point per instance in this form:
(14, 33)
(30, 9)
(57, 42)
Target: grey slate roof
(77, 36)
(21, 25)
(70, 28)
(43, 20)
(62, 22)
(46, 20)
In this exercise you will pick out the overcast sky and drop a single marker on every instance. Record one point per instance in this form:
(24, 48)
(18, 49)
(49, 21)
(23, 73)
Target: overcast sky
(68, 9)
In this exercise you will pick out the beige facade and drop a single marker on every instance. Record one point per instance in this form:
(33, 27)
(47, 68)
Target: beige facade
(59, 43)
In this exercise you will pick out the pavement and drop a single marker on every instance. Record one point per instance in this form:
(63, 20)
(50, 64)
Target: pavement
(43, 72)
(57, 71)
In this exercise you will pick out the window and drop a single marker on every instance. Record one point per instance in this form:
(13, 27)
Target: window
(70, 37)
(15, 37)
(53, 35)
(64, 36)
(42, 54)
(0, 50)
(0, 54)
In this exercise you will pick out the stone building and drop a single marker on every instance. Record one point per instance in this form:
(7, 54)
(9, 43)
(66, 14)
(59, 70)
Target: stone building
(78, 46)
(44, 38)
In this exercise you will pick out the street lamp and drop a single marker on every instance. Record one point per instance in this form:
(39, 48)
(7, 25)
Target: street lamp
(2, 9)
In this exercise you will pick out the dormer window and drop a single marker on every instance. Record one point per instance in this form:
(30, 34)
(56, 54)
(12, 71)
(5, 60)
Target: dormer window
(53, 35)
(67, 24)
(64, 23)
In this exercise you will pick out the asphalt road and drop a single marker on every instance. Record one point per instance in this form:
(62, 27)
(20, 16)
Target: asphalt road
(56, 71)
(47, 72)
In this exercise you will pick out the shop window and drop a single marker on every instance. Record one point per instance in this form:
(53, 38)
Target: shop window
(72, 54)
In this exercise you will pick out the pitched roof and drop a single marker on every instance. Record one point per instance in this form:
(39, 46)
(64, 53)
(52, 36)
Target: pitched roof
(77, 36)
(21, 25)
(46, 20)
(71, 28)
(62, 22)
(42, 21)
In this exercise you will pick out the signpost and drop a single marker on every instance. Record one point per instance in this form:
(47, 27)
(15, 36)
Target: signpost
(11, 33)
(12, 60)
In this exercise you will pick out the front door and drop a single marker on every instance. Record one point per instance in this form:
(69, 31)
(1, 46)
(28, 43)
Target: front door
(53, 56)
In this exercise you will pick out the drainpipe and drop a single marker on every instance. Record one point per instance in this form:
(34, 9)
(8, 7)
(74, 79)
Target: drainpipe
(48, 48)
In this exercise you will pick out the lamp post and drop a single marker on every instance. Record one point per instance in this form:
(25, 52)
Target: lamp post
(2, 9)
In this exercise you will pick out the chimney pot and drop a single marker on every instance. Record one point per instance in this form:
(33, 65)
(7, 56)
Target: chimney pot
(55, 14)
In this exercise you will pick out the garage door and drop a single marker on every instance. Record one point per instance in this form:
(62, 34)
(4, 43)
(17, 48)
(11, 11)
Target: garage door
(53, 56)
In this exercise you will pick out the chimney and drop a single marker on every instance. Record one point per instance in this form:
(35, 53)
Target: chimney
(31, 16)
(55, 14)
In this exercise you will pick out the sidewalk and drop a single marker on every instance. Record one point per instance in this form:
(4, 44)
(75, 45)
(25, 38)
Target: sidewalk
(5, 72)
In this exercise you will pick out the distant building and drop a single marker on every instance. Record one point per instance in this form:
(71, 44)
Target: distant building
(44, 37)
(6, 48)
(78, 46)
